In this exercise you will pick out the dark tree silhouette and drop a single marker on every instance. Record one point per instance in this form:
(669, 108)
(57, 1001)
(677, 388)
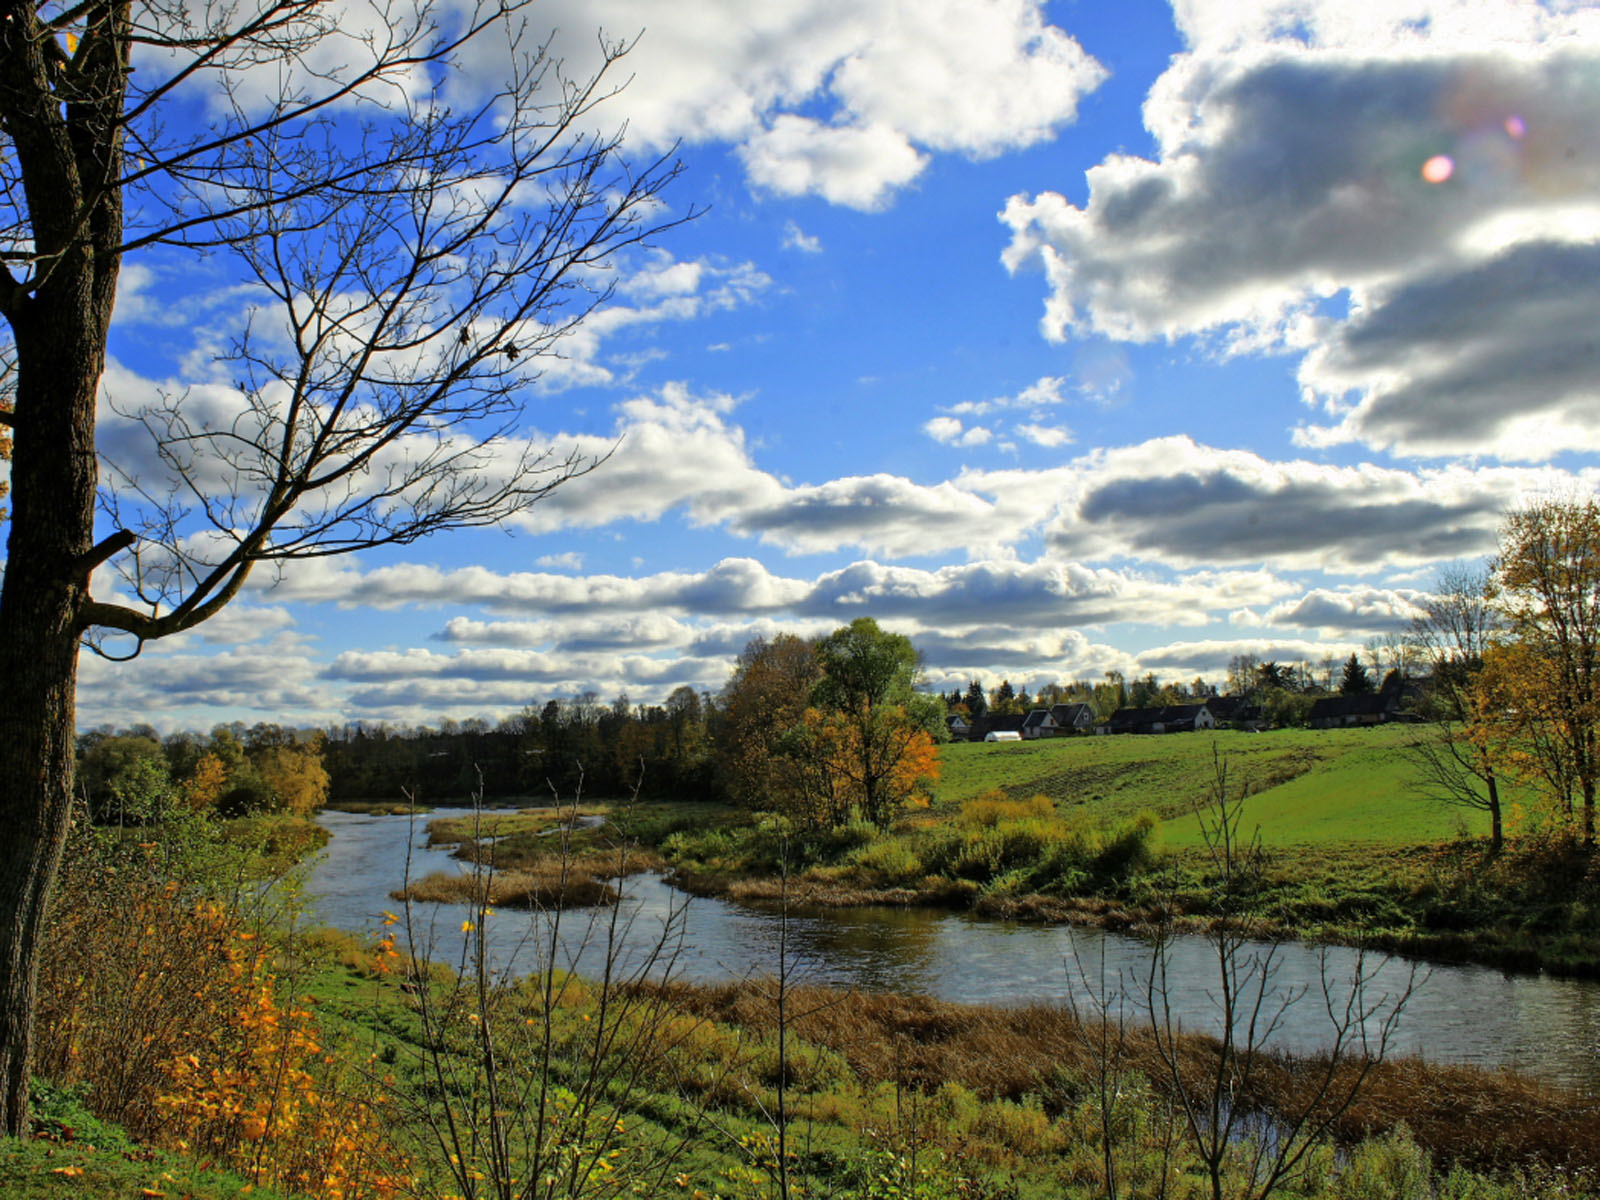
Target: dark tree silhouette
(1355, 681)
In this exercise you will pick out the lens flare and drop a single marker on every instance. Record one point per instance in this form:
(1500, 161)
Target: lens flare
(1438, 168)
(1516, 126)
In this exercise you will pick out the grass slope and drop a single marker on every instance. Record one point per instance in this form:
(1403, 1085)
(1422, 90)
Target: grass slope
(1308, 787)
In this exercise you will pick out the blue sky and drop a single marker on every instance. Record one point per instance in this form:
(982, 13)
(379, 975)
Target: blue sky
(1062, 337)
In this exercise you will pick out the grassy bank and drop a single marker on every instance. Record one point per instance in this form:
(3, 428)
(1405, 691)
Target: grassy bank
(1105, 831)
(189, 1035)
(885, 1096)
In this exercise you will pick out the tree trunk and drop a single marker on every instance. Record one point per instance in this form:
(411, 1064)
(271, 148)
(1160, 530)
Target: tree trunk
(1497, 833)
(54, 477)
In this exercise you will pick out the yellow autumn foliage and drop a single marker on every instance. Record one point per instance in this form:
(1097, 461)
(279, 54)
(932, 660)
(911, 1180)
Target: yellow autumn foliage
(167, 1005)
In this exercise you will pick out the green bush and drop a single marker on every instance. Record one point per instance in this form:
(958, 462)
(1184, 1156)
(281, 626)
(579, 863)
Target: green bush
(1131, 850)
(892, 859)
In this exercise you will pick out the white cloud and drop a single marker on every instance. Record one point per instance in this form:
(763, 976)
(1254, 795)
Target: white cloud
(1350, 612)
(795, 238)
(1287, 186)
(1173, 500)
(842, 100)
(1211, 658)
(847, 165)
(1043, 392)
(951, 432)
(171, 686)
(571, 560)
(1049, 436)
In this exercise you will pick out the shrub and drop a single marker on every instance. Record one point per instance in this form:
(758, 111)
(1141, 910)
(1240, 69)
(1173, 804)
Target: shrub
(1131, 849)
(891, 859)
(992, 807)
(163, 1002)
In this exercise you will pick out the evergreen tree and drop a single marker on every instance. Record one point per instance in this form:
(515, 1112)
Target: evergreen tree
(1356, 681)
(977, 702)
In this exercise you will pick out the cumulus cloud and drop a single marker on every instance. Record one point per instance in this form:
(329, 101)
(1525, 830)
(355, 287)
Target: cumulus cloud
(1288, 185)
(688, 608)
(1501, 353)
(842, 101)
(570, 560)
(1175, 501)
(171, 686)
(852, 166)
(1044, 391)
(951, 432)
(1049, 436)
(1350, 612)
(1212, 657)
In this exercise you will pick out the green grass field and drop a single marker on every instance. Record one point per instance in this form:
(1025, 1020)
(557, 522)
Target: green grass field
(1307, 787)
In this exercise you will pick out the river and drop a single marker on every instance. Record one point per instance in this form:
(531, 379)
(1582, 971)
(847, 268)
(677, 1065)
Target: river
(1547, 1026)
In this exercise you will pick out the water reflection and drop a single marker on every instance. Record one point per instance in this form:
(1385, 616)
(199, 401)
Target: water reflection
(1549, 1027)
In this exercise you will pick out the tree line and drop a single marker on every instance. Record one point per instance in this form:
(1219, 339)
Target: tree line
(1284, 692)
(824, 730)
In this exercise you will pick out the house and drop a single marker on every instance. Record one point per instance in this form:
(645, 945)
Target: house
(1072, 718)
(1133, 720)
(1038, 724)
(1168, 718)
(989, 723)
(1183, 718)
(960, 728)
(1374, 708)
(1234, 710)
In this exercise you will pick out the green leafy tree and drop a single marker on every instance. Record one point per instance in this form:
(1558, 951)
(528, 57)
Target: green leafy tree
(126, 780)
(867, 679)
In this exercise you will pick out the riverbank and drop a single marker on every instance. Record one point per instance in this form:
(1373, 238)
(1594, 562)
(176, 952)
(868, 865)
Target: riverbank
(940, 1100)
(944, 1100)
(1534, 907)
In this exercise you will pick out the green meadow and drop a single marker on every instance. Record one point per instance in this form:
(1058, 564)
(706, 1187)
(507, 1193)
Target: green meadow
(1306, 787)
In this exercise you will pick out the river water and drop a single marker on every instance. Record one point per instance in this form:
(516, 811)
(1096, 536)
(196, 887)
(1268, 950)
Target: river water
(1547, 1026)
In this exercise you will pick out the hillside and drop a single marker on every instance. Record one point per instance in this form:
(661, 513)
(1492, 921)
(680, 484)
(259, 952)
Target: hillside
(1307, 787)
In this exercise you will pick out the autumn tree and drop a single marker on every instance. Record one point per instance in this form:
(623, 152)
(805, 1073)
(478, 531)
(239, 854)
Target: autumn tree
(415, 241)
(886, 743)
(1546, 585)
(202, 789)
(294, 775)
(844, 768)
(766, 697)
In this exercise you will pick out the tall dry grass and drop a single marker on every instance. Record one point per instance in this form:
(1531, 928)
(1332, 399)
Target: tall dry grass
(1466, 1115)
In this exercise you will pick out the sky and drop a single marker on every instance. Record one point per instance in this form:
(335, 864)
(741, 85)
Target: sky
(1060, 337)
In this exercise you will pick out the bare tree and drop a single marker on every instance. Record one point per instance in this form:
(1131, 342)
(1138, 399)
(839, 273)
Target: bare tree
(418, 244)
(1454, 758)
(1219, 1092)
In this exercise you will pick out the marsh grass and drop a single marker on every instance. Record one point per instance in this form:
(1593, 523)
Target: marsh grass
(551, 887)
(1037, 1054)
